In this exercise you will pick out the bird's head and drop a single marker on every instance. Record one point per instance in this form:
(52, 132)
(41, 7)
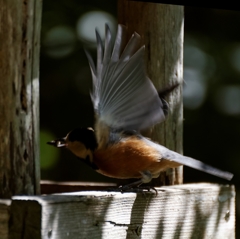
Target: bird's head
(81, 142)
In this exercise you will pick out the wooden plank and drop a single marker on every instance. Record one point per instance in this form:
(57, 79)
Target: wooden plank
(181, 211)
(4, 217)
(161, 27)
(50, 187)
(20, 23)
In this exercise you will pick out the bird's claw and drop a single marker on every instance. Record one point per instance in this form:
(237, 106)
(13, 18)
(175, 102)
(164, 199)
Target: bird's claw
(136, 189)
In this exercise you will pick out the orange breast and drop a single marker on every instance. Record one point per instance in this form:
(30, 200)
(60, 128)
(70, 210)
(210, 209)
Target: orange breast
(129, 157)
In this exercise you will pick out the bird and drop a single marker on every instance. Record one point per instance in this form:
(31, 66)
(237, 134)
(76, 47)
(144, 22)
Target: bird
(125, 104)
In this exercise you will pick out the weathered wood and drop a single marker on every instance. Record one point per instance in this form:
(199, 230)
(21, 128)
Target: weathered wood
(4, 217)
(161, 26)
(19, 97)
(180, 211)
(50, 187)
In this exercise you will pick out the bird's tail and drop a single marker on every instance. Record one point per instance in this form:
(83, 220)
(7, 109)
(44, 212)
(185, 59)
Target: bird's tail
(163, 93)
(168, 154)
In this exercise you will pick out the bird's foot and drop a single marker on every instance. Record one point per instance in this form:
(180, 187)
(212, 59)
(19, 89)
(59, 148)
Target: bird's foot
(134, 187)
(138, 189)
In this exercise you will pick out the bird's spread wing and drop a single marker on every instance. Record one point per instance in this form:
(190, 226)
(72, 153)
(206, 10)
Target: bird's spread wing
(123, 96)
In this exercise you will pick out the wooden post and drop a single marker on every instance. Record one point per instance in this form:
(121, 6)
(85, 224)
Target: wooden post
(19, 97)
(161, 26)
(5, 207)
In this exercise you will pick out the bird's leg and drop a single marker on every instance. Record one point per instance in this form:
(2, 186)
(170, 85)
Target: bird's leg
(131, 185)
(135, 186)
(146, 178)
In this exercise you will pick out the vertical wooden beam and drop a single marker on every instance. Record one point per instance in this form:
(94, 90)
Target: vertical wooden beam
(20, 23)
(4, 218)
(161, 26)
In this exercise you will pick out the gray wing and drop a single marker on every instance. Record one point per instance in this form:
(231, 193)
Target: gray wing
(123, 96)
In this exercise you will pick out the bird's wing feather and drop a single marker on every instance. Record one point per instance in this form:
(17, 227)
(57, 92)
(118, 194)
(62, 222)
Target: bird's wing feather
(123, 96)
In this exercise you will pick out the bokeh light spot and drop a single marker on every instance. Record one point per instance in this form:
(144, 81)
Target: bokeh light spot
(235, 58)
(199, 67)
(59, 41)
(92, 20)
(227, 99)
(195, 57)
(194, 89)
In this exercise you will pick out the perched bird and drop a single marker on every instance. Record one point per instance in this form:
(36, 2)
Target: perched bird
(125, 103)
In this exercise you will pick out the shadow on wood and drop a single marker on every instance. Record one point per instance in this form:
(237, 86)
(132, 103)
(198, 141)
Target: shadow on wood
(182, 211)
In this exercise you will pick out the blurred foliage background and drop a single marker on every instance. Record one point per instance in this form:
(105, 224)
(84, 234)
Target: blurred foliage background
(211, 90)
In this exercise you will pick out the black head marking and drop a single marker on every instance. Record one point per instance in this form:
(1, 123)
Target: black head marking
(85, 136)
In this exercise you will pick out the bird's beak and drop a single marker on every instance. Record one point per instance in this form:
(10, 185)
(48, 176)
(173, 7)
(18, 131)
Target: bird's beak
(59, 143)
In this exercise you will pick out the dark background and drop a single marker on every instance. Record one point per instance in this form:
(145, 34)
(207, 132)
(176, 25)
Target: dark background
(211, 89)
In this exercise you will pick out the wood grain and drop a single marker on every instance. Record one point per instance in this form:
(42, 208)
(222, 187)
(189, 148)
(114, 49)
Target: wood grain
(180, 211)
(161, 28)
(4, 217)
(20, 23)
